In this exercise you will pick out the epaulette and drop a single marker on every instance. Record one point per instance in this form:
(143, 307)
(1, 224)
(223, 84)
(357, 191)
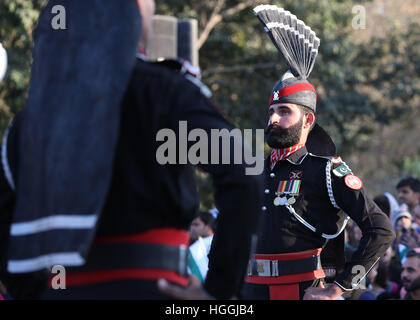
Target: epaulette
(338, 166)
(179, 65)
(317, 156)
(185, 68)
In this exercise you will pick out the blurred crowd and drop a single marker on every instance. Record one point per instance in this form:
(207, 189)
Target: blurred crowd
(397, 275)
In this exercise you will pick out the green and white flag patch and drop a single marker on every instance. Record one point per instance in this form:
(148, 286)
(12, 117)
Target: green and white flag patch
(342, 170)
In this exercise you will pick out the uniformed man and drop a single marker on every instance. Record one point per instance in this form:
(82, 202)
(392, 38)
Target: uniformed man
(81, 186)
(309, 196)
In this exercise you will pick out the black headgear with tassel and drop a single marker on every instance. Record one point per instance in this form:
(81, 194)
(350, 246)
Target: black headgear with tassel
(299, 46)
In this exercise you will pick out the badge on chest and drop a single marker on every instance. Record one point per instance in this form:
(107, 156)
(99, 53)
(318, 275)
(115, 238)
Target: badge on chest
(288, 189)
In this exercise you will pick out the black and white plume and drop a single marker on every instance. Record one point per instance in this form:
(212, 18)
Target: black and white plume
(296, 41)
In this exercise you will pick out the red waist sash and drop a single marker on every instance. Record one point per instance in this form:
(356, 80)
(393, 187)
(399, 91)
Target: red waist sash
(150, 255)
(283, 272)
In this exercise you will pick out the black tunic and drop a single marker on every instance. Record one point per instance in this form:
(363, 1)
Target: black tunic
(145, 195)
(281, 232)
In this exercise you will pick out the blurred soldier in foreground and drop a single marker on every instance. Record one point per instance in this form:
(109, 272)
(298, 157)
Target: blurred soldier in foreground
(81, 186)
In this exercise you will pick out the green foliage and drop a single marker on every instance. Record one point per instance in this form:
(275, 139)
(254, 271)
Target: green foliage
(411, 166)
(17, 21)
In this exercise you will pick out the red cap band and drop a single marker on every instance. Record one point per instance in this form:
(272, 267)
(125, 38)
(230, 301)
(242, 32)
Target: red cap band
(292, 89)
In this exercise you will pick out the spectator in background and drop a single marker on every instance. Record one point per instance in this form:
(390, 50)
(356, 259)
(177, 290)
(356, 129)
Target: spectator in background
(382, 287)
(406, 234)
(413, 291)
(393, 265)
(201, 231)
(409, 192)
(202, 226)
(388, 204)
(403, 219)
(383, 203)
(353, 234)
(411, 269)
(416, 218)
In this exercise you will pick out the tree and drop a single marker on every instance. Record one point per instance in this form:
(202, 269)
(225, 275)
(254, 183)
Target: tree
(17, 21)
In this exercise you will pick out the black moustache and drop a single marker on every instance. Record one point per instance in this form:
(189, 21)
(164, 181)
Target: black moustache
(272, 127)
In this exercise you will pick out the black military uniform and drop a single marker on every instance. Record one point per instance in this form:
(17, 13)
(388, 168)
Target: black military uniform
(141, 231)
(310, 193)
(321, 201)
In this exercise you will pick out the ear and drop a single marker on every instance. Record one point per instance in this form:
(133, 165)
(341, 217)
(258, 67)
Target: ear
(309, 120)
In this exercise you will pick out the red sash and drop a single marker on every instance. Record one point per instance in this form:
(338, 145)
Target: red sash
(286, 286)
(163, 236)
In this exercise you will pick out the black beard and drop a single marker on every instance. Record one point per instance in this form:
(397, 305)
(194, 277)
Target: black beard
(280, 138)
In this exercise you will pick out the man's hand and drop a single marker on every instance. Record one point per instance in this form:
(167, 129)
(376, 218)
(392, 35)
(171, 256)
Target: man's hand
(194, 290)
(332, 292)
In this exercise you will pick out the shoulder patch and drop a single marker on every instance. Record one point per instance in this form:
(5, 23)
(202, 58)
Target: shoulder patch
(353, 182)
(342, 170)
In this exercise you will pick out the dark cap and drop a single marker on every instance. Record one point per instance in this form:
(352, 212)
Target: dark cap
(290, 89)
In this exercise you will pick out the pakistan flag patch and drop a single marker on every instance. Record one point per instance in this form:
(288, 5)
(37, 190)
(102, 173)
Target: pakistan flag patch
(342, 170)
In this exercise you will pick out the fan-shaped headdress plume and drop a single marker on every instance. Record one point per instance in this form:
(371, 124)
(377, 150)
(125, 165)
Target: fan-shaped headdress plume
(299, 46)
(295, 40)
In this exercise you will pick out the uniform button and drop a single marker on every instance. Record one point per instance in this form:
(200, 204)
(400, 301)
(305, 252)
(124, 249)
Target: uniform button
(266, 191)
(264, 208)
(272, 175)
